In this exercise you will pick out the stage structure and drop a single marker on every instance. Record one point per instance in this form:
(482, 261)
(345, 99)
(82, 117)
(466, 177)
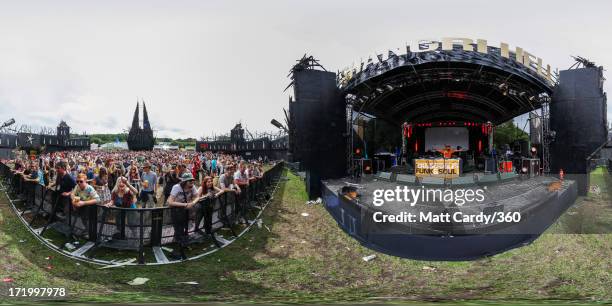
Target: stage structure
(317, 121)
(447, 98)
(43, 141)
(140, 139)
(267, 145)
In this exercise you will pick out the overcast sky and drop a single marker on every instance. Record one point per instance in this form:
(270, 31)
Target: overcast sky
(202, 66)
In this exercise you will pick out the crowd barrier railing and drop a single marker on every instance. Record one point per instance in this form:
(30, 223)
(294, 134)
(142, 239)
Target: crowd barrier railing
(137, 228)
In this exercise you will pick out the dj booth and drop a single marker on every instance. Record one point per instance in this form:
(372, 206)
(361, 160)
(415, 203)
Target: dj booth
(438, 167)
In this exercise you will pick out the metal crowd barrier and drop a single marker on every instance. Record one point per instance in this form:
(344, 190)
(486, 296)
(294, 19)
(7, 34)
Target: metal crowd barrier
(136, 229)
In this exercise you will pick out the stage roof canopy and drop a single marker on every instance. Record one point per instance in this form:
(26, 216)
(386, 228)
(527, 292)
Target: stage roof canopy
(448, 85)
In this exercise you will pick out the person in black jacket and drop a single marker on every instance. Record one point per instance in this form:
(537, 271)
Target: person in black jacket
(171, 178)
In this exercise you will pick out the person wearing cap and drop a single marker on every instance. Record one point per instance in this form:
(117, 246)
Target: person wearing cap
(149, 184)
(184, 195)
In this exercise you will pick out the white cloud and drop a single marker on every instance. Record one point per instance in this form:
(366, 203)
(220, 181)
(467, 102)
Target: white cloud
(202, 66)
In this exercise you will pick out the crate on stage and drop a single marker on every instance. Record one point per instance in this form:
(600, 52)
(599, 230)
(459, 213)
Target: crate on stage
(506, 166)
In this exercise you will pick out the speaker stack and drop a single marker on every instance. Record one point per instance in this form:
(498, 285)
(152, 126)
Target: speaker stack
(578, 117)
(318, 116)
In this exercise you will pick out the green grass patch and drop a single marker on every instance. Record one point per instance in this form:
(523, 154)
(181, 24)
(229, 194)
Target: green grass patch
(297, 259)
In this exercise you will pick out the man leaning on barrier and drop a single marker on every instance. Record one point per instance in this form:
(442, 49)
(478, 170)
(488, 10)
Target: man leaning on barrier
(64, 183)
(83, 195)
(35, 176)
(183, 199)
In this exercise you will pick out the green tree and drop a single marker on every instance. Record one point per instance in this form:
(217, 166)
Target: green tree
(508, 133)
(382, 135)
(96, 140)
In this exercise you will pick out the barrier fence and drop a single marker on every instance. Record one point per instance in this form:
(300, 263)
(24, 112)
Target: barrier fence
(136, 229)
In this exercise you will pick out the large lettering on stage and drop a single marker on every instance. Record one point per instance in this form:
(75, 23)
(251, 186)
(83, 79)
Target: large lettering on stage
(447, 168)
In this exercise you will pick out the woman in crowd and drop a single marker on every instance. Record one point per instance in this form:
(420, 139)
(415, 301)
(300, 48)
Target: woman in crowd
(100, 183)
(208, 189)
(123, 195)
(134, 176)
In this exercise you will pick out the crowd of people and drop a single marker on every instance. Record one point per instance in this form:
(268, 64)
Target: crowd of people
(139, 179)
(134, 180)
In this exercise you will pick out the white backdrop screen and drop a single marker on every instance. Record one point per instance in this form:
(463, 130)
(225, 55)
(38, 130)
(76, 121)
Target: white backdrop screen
(438, 137)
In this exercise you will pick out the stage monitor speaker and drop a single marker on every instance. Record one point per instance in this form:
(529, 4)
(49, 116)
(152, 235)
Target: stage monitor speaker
(530, 166)
(578, 118)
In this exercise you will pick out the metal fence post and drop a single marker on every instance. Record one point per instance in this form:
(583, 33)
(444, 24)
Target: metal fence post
(141, 240)
(157, 217)
(92, 222)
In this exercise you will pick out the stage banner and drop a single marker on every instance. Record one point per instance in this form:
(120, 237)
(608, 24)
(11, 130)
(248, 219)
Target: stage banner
(446, 168)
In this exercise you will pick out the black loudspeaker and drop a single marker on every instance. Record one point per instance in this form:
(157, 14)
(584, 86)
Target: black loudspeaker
(318, 126)
(578, 118)
(313, 184)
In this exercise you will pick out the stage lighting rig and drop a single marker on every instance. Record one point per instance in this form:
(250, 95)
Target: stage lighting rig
(8, 123)
(503, 87)
(279, 125)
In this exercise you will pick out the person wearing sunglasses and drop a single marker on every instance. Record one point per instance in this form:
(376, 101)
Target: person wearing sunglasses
(84, 194)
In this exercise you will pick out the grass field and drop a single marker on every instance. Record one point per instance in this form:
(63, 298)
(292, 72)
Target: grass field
(309, 259)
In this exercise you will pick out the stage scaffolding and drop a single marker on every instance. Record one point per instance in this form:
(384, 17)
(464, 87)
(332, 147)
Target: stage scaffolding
(546, 134)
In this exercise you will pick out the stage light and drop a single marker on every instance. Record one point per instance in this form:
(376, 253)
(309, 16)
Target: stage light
(8, 123)
(379, 90)
(504, 88)
(279, 125)
(389, 87)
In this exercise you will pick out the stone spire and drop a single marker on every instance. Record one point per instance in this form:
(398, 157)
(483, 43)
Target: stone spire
(135, 121)
(145, 117)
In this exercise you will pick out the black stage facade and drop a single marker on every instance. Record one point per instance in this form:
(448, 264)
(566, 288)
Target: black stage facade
(271, 147)
(446, 97)
(34, 143)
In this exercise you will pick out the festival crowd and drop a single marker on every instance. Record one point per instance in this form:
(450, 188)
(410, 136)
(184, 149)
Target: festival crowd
(139, 179)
